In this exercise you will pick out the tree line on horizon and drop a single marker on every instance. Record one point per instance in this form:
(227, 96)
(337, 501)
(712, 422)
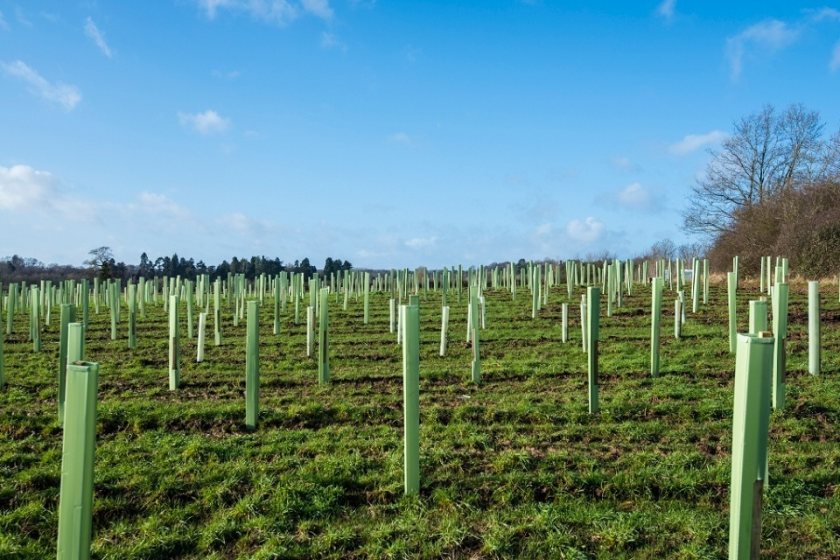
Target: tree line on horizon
(102, 264)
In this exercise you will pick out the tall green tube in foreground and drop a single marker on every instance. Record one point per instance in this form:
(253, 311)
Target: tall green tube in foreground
(411, 394)
(324, 337)
(656, 287)
(174, 345)
(750, 419)
(252, 366)
(593, 306)
(780, 320)
(68, 316)
(814, 327)
(732, 285)
(75, 504)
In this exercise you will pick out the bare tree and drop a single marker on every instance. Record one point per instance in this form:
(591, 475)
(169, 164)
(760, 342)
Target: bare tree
(767, 153)
(663, 249)
(99, 257)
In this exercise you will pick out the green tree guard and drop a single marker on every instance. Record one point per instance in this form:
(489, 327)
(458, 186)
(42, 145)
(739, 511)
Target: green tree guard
(758, 316)
(391, 312)
(476, 344)
(565, 322)
(324, 338)
(85, 302)
(593, 307)
(411, 394)
(780, 320)
(367, 296)
(35, 319)
(276, 329)
(202, 328)
(190, 303)
(217, 312)
(751, 413)
(75, 503)
(814, 327)
(174, 344)
(132, 316)
(10, 308)
(68, 315)
(310, 330)
(444, 327)
(583, 331)
(732, 285)
(252, 366)
(677, 319)
(656, 287)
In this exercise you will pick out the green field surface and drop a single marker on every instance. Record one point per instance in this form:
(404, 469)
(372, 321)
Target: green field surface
(515, 467)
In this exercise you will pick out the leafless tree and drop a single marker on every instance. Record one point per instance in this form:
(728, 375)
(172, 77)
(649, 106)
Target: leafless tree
(767, 153)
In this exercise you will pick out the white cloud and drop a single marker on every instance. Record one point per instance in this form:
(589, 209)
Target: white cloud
(62, 94)
(624, 163)
(768, 36)
(544, 229)
(226, 75)
(28, 191)
(693, 142)
(400, 138)
(331, 41)
(95, 35)
(634, 195)
(3, 24)
(588, 230)
(834, 64)
(421, 242)
(318, 8)
(666, 9)
(825, 14)
(279, 12)
(160, 204)
(23, 188)
(208, 122)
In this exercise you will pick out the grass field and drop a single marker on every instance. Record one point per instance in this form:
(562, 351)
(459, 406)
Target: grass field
(515, 467)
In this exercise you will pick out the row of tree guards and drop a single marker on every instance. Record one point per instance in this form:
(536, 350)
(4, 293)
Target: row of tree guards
(759, 360)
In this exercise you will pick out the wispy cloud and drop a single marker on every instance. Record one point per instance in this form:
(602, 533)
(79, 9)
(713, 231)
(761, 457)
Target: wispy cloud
(318, 8)
(66, 96)
(400, 138)
(624, 163)
(666, 9)
(25, 190)
(693, 142)
(634, 196)
(834, 64)
(421, 242)
(208, 122)
(226, 75)
(768, 36)
(825, 14)
(331, 41)
(278, 12)
(3, 25)
(98, 38)
(588, 230)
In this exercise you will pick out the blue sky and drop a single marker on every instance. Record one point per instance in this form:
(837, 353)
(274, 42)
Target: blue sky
(388, 133)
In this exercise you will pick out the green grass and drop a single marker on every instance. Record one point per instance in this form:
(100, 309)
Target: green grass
(515, 467)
